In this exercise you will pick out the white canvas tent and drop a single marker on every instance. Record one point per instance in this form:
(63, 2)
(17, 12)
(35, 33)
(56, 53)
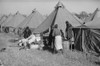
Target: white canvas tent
(7, 20)
(33, 20)
(15, 20)
(3, 18)
(94, 24)
(94, 16)
(59, 16)
(87, 36)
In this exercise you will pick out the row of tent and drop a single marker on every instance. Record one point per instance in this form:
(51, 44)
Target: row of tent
(19, 20)
(35, 20)
(86, 33)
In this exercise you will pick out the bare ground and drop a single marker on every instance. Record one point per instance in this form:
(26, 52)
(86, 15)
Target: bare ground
(15, 57)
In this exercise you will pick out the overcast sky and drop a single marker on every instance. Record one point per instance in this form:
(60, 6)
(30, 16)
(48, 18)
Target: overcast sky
(46, 6)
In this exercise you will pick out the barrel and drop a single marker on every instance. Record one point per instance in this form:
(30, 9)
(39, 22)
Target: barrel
(66, 45)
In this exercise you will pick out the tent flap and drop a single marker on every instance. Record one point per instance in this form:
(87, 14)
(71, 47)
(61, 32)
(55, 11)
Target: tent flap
(91, 39)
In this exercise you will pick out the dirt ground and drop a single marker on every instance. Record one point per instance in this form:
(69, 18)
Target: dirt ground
(15, 57)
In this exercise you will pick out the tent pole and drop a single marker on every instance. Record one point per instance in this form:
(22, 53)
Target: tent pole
(54, 18)
(83, 47)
